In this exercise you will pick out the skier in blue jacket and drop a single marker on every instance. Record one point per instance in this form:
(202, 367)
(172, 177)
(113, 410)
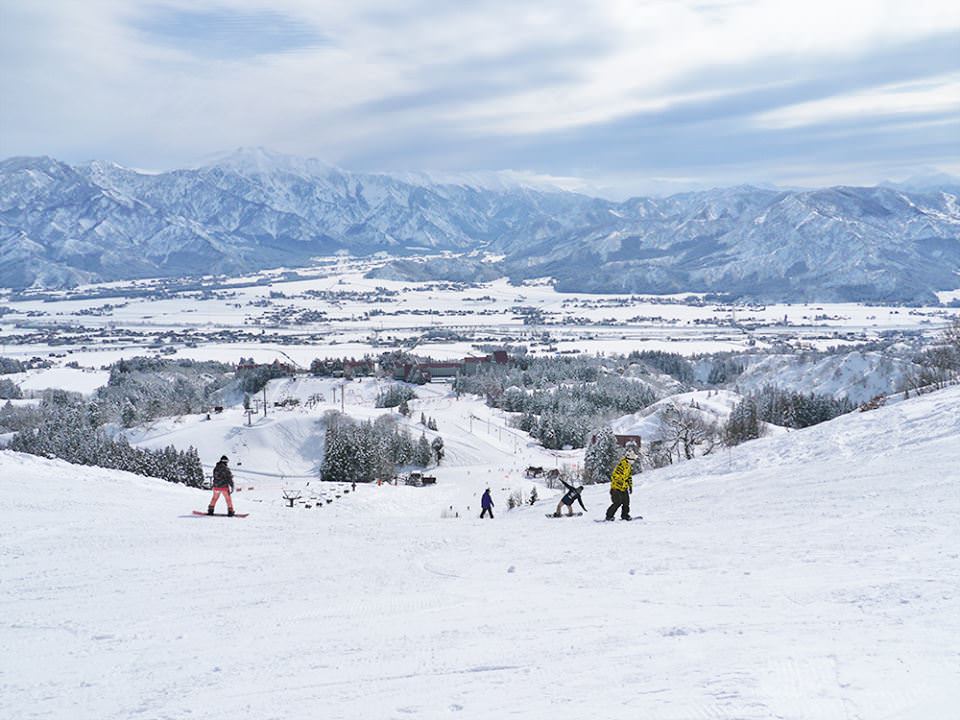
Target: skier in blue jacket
(486, 502)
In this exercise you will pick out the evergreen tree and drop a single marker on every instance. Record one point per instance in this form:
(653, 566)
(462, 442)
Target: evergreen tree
(402, 447)
(128, 416)
(743, 423)
(9, 390)
(601, 457)
(394, 395)
(437, 447)
(424, 452)
(337, 456)
(365, 448)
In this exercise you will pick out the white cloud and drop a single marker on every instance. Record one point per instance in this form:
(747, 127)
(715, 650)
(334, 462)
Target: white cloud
(83, 79)
(933, 95)
(653, 46)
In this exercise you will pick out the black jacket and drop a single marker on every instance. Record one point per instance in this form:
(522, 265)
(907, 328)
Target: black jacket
(222, 477)
(573, 494)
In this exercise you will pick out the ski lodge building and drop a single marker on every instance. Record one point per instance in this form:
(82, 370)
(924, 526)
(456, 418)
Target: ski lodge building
(428, 371)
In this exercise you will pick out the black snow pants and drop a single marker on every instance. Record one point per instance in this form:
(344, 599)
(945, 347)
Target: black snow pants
(485, 511)
(620, 498)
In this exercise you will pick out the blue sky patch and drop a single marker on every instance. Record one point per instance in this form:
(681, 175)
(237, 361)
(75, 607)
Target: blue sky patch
(228, 34)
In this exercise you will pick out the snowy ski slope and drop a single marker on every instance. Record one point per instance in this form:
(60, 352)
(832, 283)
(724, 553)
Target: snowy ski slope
(811, 574)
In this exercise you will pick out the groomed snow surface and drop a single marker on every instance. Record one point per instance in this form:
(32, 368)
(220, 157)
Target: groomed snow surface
(811, 574)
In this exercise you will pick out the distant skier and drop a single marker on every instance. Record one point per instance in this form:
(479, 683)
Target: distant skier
(572, 495)
(621, 486)
(222, 485)
(486, 502)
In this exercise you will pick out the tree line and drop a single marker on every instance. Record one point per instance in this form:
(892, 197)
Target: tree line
(66, 428)
(786, 408)
(372, 450)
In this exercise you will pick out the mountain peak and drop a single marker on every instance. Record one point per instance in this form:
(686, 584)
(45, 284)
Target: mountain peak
(263, 161)
(41, 163)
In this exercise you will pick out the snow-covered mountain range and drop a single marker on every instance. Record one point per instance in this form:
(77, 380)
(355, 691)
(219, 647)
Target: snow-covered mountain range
(62, 224)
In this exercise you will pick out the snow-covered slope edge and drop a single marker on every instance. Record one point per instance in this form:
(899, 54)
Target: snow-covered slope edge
(924, 433)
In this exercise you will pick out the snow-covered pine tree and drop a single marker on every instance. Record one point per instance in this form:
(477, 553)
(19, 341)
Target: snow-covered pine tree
(336, 455)
(601, 457)
(437, 446)
(402, 447)
(194, 474)
(365, 469)
(424, 453)
(128, 415)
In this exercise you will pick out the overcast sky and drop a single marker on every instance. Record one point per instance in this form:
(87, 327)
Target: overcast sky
(630, 97)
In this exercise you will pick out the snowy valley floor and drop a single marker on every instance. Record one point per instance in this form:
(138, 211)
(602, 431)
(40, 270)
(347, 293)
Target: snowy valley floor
(814, 574)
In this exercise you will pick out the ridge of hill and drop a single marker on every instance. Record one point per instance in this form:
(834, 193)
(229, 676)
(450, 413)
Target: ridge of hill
(62, 225)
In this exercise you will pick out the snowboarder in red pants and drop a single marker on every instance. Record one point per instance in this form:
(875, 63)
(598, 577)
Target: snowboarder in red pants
(222, 485)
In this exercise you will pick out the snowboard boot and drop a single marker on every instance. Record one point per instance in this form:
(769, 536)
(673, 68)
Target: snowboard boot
(229, 512)
(210, 510)
(626, 517)
(609, 519)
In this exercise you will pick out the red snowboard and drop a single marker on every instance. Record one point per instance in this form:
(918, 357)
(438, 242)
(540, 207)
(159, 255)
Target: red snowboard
(205, 514)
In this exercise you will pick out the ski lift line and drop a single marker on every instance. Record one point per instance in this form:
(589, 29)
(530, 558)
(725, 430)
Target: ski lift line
(261, 473)
(482, 439)
(500, 428)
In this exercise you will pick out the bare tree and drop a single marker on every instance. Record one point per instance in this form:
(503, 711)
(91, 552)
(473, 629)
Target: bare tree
(685, 430)
(939, 365)
(951, 335)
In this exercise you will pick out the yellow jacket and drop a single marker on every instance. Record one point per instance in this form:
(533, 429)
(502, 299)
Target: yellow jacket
(622, 477)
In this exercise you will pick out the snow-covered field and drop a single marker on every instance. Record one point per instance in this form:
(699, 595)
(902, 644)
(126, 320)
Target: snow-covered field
(60, 378)
(811, 574)
(332, 310)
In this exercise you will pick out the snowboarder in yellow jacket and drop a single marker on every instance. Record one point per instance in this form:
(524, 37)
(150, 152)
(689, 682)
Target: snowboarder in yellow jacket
(621, 485)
